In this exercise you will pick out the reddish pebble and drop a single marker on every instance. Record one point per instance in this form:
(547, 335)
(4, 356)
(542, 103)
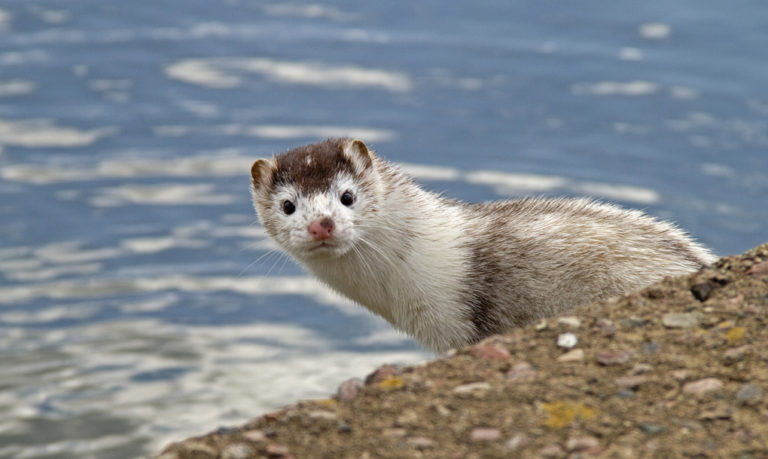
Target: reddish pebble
(485, 434)
(613, 357)
(349, 389)
(491, 351)
(759, 270)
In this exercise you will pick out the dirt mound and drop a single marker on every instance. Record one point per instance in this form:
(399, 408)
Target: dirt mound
(678, 369)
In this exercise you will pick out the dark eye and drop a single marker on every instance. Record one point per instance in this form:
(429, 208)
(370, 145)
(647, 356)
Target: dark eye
(347, 198)
(288, 207)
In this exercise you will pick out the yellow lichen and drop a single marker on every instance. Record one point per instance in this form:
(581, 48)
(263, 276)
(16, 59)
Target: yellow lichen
(735, 334)
(564, 412)
(392, 383)
(329, 402)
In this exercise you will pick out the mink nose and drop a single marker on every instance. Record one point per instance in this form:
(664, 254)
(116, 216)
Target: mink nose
(321, 229)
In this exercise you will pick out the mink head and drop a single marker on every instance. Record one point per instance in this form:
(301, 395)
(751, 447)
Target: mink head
(313, 200)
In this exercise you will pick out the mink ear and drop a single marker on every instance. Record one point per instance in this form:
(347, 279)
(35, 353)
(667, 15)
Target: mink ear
(261, 173)
(361, 157)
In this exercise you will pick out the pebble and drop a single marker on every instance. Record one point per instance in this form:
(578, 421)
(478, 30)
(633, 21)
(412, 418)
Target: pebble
(551, 450)
(634, 321)
(395, 432)
(472, 388)
(581, 443)
(613, 357)
(575, 355)
(567, 340)
(680, 375)
(681, 320)
(516, 442)
(276, 450)
(651, 428)
(521, 372)
(606, 327)
(349, 389)
(702, 386)
(542, 325)
(640, 368)
(322, 414)
(569, 321)
(420, 442)
(254, 435)
(237, 451)
(735, 354)
(491, 351)
(758, 270)
(629, 382)
(749, 394)
(702, 291)
(485, 434)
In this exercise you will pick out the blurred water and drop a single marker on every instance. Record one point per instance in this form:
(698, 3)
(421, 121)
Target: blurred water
(132, 312)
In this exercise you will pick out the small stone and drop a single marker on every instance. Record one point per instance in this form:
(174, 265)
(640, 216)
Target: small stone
(322, 414)
(521, 372)
(237, 451)
(575, 355)
(702, 386)
(681, 320)
(651, 428)
(491, 351)
(567, 340)
(640, 368)
(254, 435)
(749, 394)
(343, 427)
(515, 442)
(541, 325)
(472, 388)
(702, 291)
(420, 442)
(758, 270)
(581, 443)
(736, 354)
(349, 389)
(613, 357)
(551, 450)
(394, 432)
(275, 450)
(442, 410)
(680, 375)
(625, 394)
(569, 321)
(634, 321)
(630, 382)
(485, 434)
(606, 327)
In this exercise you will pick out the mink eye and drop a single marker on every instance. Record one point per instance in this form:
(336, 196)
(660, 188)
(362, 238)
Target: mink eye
(347, 198)
(288, 207)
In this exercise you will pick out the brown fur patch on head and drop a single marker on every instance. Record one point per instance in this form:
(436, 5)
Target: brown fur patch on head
(262, 173)
(312, 168)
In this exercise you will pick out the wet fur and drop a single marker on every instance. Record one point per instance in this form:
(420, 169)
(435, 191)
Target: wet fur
(450, 273)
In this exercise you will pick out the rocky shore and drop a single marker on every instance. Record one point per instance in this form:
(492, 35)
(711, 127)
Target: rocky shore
(679, 369)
